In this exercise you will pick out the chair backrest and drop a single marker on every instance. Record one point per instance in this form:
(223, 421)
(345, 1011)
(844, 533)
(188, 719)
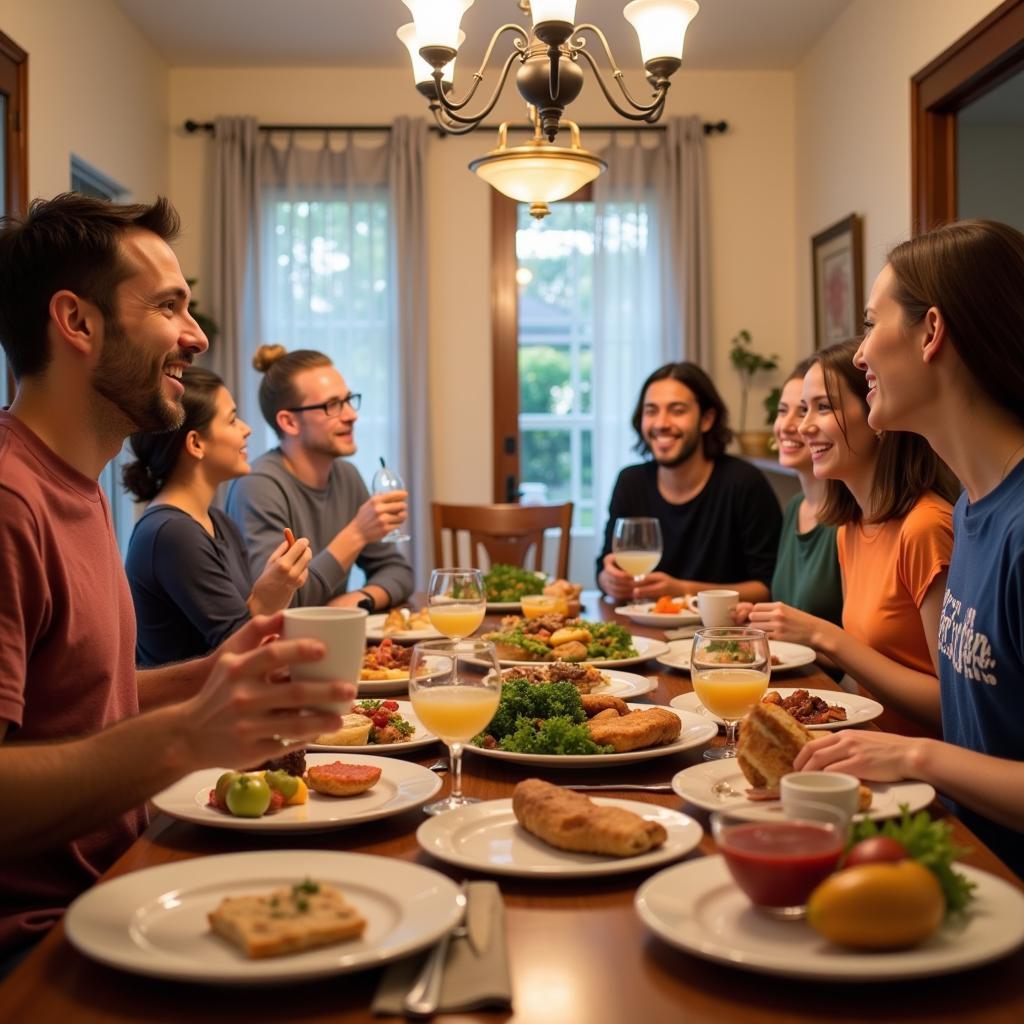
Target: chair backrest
(505, 532)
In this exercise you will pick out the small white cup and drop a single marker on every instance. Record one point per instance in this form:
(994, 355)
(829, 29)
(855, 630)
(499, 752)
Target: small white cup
(715, 606)
(342, 631)
(803, 791)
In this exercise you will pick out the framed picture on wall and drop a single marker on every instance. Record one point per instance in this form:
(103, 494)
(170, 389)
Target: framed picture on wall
(838, 261)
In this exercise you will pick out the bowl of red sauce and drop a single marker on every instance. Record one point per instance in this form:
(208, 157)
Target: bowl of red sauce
(778, 862)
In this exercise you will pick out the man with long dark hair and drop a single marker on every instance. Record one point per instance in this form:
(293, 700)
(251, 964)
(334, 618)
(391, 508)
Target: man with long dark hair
(720, 520)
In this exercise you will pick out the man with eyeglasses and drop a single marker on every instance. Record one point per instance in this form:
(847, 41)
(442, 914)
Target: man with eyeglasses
(308, 486)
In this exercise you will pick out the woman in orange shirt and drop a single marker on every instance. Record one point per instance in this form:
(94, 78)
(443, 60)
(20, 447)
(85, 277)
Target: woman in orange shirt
(890, 496)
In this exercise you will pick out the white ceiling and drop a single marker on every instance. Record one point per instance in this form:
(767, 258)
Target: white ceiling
(729, 34)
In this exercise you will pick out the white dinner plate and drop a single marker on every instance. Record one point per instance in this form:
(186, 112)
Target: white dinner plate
(503, 607)
(154, 921)
(858, 709)
(643, 615)
(401, 785)
(375, 631)
(721, 786)
(645, 647)
(486, 837)
(696, 731)
(697, 907)
(624, 685)
(390, 687)
(419, 738)
(789, 655)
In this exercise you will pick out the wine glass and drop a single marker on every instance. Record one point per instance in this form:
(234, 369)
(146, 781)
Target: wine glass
(454, 686)
(729, 667)
(456, 601)
(384, 482)
(636, 543)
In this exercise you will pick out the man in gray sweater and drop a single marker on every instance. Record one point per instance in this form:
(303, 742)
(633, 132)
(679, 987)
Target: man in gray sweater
(307, 486)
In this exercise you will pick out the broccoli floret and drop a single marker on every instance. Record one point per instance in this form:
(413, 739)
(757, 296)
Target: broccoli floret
(558, 735)
(520, 699)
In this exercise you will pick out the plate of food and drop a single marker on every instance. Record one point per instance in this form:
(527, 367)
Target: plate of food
(378, 727)
(331, 793)
(506, 584)
(816, 709)
(784, 655)
(586, 678)
(548, 831)
(665, 613)
(520, 641)
(553, 725)
(402, 625)
(386, 669)
(698, 908)
(157, 921)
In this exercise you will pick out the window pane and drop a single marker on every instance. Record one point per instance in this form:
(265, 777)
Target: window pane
(545, 379)
(586, 465)
(586, 365)
(546, 460)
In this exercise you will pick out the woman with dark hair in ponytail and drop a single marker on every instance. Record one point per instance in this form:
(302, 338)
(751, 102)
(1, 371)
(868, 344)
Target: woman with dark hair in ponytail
(187, 563)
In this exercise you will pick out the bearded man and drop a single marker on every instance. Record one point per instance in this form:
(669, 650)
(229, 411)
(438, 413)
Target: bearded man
(720, 520)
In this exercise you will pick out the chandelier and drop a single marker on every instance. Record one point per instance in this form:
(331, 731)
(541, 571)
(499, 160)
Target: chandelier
(549, 78)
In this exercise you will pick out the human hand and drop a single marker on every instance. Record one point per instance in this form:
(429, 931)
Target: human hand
(872, 756)
(741, 613)
(379, 515)
(782, 622)
(239, 715)
(287, 569)
(613, 581)
(653, 586)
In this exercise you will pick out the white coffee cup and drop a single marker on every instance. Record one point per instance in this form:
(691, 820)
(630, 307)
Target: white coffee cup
(802, 792)
(715, 606)
(342, 631)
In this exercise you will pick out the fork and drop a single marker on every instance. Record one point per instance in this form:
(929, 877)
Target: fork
(424, 996)
(652, 787)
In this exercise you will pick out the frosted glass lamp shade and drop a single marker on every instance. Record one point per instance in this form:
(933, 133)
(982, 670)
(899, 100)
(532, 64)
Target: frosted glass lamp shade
(661, 25)
(538, 172)
(553, 10)
(437, 21)
(421, 70)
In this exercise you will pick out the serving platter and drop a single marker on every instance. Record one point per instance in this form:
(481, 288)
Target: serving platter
(858, 709)
(642, 614)
(698, 908)
(645, 648)
(486, 837)
(788, 655)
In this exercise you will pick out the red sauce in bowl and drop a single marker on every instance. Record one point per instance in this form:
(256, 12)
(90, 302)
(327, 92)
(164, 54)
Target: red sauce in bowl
(779, 863)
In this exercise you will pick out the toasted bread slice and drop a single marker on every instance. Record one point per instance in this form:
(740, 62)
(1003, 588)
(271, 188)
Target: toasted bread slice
(287, 920)
(340, 779)
(770, 738)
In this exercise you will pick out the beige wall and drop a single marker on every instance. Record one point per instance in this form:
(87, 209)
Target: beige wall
(853, 124)
(751, 171)
(97, 89)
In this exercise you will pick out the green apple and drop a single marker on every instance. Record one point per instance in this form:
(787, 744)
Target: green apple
(248, 796)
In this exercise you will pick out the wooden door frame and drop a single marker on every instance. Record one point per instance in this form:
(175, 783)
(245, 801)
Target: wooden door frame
(505, 342)
(981, 59)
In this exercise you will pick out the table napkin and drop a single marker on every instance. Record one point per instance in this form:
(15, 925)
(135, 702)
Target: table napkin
(683, 633)
(472, 981)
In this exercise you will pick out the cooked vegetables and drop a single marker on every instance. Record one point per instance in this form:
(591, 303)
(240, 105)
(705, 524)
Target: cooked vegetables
(509, 583)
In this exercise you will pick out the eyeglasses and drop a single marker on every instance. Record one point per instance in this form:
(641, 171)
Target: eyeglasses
(333, 406)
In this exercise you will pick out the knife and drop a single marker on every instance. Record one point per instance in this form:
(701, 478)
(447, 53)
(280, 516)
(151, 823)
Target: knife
(483, 899)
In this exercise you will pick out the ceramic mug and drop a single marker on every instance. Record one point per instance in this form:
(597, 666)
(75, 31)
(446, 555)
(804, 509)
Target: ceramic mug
(342, 631)
(802, 791)
(715, 607)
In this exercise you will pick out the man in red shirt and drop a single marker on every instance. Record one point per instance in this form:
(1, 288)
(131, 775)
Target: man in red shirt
(94, 321)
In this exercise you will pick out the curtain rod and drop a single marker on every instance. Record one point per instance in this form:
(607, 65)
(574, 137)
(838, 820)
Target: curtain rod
(710, 127)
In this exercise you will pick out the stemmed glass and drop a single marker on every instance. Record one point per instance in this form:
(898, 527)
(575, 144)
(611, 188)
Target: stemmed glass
(637, 546)
(729, 667)
(384, 482)
(454, 687)
(456, 601)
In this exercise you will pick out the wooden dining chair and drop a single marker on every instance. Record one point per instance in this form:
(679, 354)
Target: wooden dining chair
(505, 532)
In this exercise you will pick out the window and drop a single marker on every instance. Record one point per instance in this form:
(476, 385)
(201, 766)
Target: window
(326, 286)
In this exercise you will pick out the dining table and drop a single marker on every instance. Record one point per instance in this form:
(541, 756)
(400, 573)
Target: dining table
(578, 951)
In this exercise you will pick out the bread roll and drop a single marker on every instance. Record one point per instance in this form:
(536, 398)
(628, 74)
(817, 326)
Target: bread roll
(354, 732)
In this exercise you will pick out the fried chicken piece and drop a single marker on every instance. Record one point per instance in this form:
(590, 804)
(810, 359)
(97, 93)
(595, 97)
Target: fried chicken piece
(571, 821)
(606, 714)
(638, 729)
(572, 651)
(596, 702)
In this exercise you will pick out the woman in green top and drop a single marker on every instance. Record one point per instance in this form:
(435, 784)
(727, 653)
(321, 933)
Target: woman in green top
(807, 569)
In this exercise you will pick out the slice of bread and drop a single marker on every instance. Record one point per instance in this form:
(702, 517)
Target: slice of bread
(770, 738)
(354, 732)
(304, 916)
(340, 779)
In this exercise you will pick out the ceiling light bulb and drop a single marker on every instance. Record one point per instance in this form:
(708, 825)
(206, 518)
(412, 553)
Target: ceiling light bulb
(553, 10)
(421, 70)
(660, 25)
(437, 21)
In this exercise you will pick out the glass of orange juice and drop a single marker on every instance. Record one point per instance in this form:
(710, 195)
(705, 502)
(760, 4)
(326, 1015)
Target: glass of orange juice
(456, 601)
(454, 686)
(535, 605)
(729, 668)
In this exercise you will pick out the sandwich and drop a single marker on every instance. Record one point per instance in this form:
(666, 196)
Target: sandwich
(770, 739)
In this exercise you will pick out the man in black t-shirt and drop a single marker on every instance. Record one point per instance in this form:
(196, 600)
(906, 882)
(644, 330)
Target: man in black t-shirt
(720, 520)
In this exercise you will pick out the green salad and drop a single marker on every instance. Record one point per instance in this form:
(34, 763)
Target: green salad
(608, 640)
(507, 583)
(541, 718)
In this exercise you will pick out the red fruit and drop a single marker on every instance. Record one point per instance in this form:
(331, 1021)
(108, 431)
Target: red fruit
(877, 850)
(381, 719)
(276, 801)
(389, 705)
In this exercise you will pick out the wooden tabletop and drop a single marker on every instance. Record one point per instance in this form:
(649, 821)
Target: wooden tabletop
(578, 952)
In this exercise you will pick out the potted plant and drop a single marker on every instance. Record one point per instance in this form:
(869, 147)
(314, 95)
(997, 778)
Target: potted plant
(771, 408)
(748, 364)
(210, 329)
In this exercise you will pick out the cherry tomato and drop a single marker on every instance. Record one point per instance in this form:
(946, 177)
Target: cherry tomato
(381, 719)
(877, 850)
(390, 705)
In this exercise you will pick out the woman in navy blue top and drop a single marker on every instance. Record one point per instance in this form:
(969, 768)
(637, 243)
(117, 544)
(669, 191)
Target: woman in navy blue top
(944, 356)
(187, 564)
